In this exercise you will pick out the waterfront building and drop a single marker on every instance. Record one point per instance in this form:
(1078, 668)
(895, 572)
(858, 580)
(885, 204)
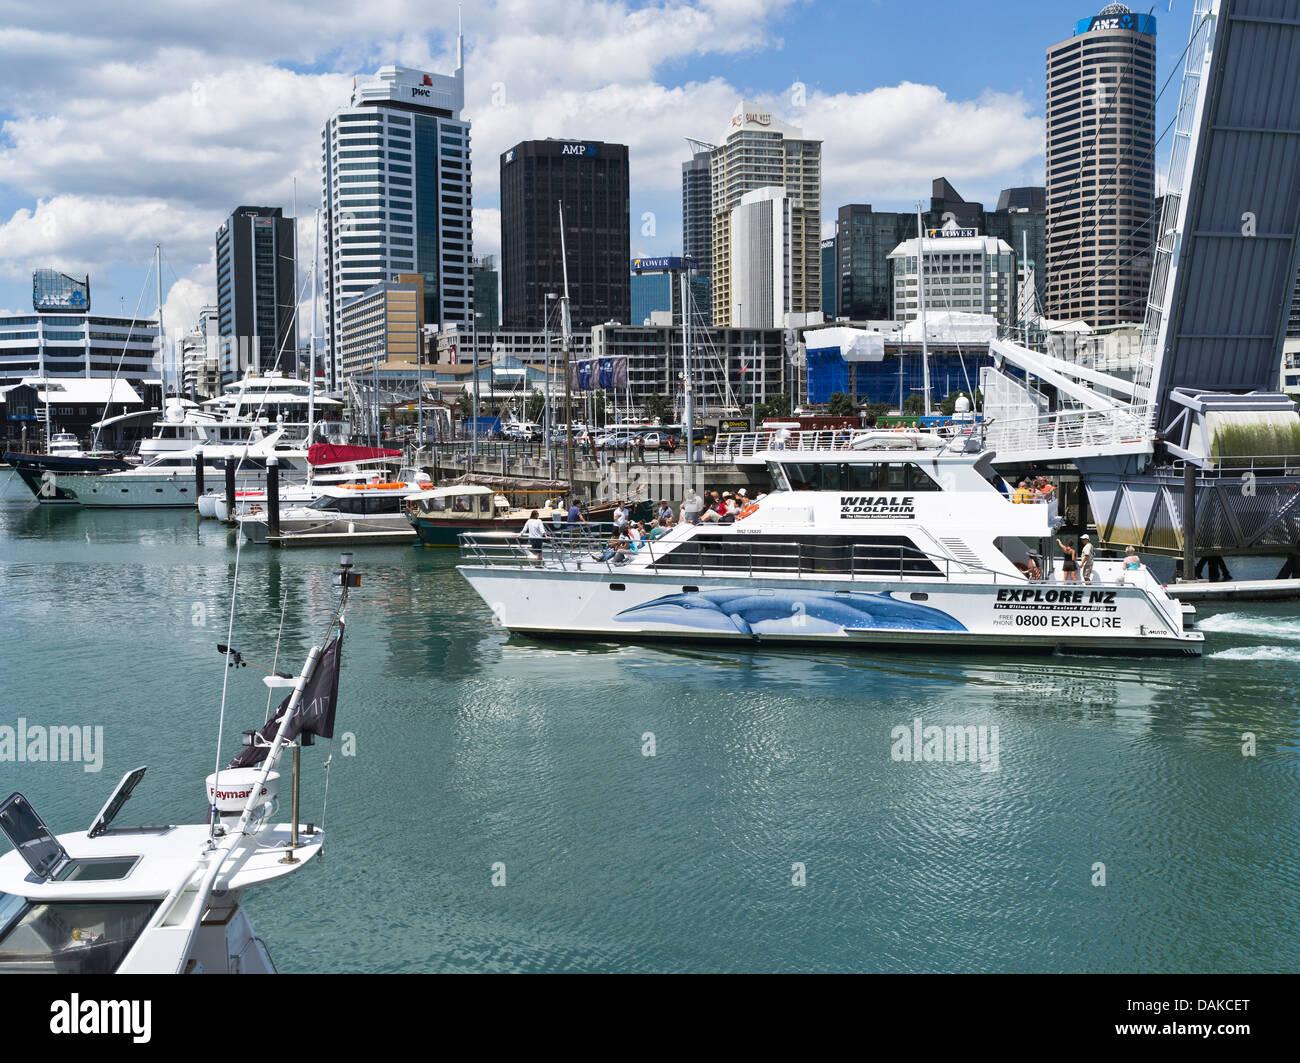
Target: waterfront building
(591, 179)
(761, 286)
(1101, 98)
(62, 338)
(201, 356)
(458, 345)
(966, 273)
(256, 289)
(697, 214)
(382, 324)
(865, 238)
(657, 291)
(487, 303)
(731, 369)
(397, 195)
(758, 152)
(828, 279)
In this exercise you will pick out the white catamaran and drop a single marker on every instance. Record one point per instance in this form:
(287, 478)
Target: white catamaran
(866, 546)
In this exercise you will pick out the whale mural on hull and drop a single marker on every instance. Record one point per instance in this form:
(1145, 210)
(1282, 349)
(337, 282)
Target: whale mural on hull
(790, 612)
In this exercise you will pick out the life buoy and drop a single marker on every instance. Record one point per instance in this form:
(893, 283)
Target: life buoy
(748, 511)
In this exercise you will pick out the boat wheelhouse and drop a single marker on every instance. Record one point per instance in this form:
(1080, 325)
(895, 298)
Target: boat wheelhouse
(441, 515)
(880, 544)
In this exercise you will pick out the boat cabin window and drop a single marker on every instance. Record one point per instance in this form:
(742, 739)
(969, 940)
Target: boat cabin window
(83, 937)
(845, 555)
(853, 476)
(462, 504)
(437, 504)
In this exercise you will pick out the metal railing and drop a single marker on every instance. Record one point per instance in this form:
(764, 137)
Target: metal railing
(1073, 430)
(732, 445)
(585, 549)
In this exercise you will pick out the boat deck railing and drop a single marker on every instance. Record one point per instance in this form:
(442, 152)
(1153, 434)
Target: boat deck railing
(586, 551)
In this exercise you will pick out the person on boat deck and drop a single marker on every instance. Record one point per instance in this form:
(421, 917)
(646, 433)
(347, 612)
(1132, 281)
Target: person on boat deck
(657, 528)
(711, 515)
(1022, 493)
(665, 511)
(1131, 564)
(621, 517)
(692, 507)
(1044, 491)
(575, 518)
(1071, 567)
(616, 550)
(536, 534)
(1085, 559)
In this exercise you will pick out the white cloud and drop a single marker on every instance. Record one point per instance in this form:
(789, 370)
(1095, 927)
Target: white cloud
(152, 122)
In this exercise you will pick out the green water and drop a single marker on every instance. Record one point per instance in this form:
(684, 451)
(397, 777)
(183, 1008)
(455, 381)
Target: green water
(472, 748)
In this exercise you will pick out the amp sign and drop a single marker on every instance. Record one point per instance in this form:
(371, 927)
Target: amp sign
(584, 150)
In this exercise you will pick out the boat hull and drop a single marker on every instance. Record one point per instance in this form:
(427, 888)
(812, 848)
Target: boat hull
(606, 603)
(448, 532)
(353, 530)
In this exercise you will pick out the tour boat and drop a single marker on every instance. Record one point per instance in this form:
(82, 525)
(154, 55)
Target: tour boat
(875, 545)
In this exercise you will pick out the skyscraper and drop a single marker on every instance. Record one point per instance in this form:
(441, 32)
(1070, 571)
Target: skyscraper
(865, 239)
(397, 194)
(256, 297)
(759, 152)
(697, 216)
(761, 279)
(1101, 97)
(591, 180)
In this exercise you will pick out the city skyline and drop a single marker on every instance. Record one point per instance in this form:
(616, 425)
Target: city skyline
(238, 119)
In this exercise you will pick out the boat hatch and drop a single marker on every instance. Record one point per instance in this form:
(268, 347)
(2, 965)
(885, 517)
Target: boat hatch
(44, 853)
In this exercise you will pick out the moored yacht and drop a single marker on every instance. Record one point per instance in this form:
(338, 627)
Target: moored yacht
(868, 546)
(170, 480)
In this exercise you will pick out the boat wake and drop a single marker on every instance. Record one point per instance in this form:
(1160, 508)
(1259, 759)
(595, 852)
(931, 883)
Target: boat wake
(1258, 653)
(1244, 624)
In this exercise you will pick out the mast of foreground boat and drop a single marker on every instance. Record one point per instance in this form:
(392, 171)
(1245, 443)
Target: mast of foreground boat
(565, 327)
(920, 295)
(311, 363)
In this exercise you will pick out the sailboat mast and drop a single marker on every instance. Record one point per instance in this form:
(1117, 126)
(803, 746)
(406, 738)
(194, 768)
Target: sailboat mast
(311, 362)
(565, 325)
(920, 292)
(162, 343)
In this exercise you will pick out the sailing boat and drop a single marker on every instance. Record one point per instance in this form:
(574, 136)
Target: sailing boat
(168, 899)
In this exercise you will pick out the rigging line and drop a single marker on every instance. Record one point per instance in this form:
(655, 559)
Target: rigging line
(1152, 110)
(275, 663)
(112, 383)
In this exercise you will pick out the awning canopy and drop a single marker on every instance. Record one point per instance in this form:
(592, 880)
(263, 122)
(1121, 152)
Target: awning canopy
(83, 391)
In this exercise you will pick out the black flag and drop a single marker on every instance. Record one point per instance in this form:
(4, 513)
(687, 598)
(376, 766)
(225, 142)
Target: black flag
(315, 713)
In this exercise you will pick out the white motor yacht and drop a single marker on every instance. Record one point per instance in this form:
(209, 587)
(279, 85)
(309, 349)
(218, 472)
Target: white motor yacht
(169, 899)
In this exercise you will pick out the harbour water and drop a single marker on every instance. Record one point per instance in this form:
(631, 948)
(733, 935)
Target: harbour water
(473, 749)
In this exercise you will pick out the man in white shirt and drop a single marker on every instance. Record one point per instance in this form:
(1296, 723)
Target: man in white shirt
(620, 519)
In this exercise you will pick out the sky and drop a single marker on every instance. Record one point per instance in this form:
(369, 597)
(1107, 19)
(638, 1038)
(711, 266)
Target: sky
(125, 126)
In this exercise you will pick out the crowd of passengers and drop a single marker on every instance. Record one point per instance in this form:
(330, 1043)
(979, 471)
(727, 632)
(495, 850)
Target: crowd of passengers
(629, 536)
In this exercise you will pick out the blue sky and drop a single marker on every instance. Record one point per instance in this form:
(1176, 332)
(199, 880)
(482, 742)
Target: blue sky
(150, 123)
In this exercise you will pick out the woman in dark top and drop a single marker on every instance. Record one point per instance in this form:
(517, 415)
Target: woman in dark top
(1071, 567)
